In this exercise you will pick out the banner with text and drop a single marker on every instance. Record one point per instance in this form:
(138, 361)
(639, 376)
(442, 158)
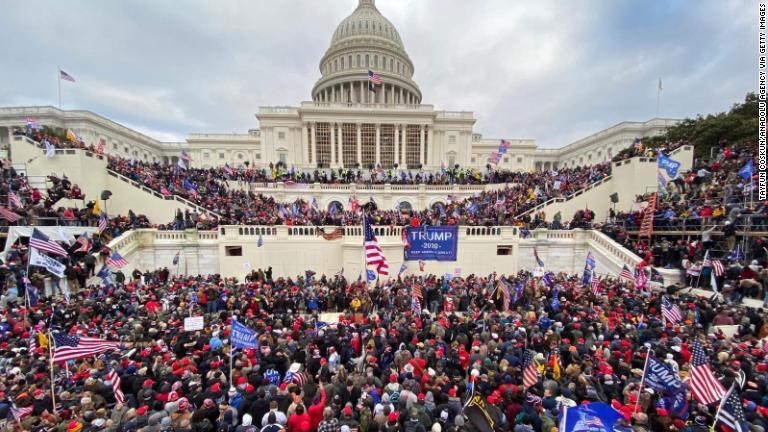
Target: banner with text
(432, 243)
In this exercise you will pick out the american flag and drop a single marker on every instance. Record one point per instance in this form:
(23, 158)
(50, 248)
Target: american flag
(14, 200)
(85, 244)
(41, 242)
(415, 305)
(539, 262)
(116, 260)
(704, 385)
(416, 290)
(296, 378)
(506, 294)
(373, 253)
(65, 76)
(596, 286)
(20, 413)
(100, 147)
(8, 215)
(731, 413)
(640, 279)
(115, 380)
(373, 79)
(33, 341)
(670, 311)
(102, 223)
(717, 268)
(72, 347)
(626, 274)
(530, 371)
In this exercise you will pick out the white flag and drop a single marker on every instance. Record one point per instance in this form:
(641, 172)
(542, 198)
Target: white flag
(50, 150)
(713, 279)
(50, 264)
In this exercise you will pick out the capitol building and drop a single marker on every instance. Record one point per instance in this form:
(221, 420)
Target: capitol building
(347, 123)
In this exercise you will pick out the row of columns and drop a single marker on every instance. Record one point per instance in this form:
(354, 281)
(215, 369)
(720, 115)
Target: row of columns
(337, 144)
(358, 92)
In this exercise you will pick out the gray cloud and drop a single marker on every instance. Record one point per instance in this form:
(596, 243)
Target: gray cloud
(551, 71)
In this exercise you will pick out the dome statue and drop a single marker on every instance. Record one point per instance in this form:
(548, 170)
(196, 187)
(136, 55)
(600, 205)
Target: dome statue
(366, 41)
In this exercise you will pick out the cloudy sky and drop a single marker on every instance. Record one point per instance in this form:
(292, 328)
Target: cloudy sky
(548, 70)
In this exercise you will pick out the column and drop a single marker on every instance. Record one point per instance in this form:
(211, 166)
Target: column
(421, 145)
(403, 162)
(359, 146)
(314, 142)
(333, 145)
(430, 146)
(402, 96)
(393, 95)
(378, 144)
(361, 92)
(341, 145)
(397, 144)
(304, 145)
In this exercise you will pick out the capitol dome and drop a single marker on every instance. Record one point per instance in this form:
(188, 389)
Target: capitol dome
(363, 41)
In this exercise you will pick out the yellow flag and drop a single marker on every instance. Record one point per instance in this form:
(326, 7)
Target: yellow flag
(42, 341)
(556, 367)
(97, 209)
(71, 136)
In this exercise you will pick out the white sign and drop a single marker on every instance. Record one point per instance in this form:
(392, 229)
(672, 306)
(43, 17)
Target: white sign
(193, 323)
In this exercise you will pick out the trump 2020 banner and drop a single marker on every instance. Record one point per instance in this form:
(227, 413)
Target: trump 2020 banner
(432, 243)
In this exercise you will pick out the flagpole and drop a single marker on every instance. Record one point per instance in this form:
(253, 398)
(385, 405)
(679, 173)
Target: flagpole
(722, 401)
(658, 98)
(58, 75)
(51, 341)
(642, 380)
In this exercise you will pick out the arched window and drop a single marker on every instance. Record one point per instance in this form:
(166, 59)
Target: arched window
(349, 61)
(358, 60)
(376, 61)
(342, 63)
(335, 207)
(366, 60)
(391, 65)
(335, 65)
(404, 206)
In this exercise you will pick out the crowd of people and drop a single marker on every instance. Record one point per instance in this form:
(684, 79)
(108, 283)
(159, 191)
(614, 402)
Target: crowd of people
(716, 200)
(237, 206)
(386, 359)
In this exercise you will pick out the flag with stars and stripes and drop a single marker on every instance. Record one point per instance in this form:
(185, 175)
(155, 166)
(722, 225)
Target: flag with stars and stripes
(718, 268)
(506, 294)
(704, 385)
(14, 199)
(731, 413)
(626, 274)
(43, 243)
(539, 262)
(373, 253)
(102, 223)
(19, 413)
(72, 347)
(530, 371)
(115, 381)
(670, 311)
(597, 287)
(116, 260)
(374, 80)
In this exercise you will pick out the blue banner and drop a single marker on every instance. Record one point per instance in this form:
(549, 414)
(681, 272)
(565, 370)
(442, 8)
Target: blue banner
(243, 337)
(432, 243)
(591, 417)
(661, 377)
(669, 165)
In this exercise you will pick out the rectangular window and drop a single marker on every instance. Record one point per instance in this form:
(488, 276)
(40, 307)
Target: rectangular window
(233, 250)
(452, 162)
(309, 144)
(206, 155)
(282, 158)
(323, 142)
(412, 137)
(281, 135)
(452, 139)
(506, 160)
(368, 144)
(503, 250)
(221, 156)
(258, 156)
(349, 144)
(519, 160)
(387, 149)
